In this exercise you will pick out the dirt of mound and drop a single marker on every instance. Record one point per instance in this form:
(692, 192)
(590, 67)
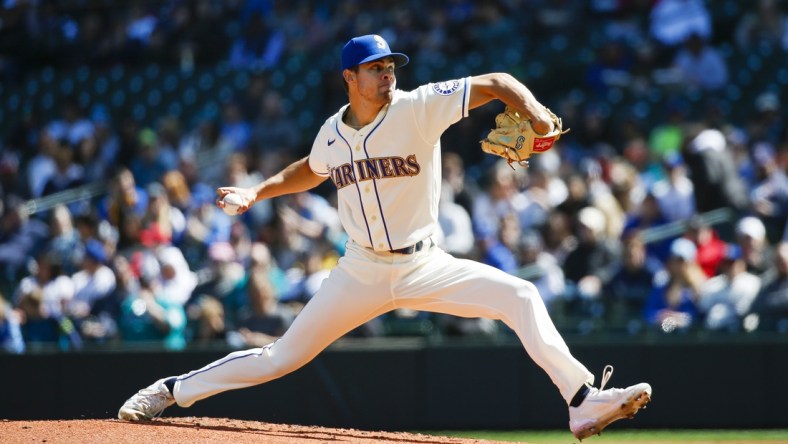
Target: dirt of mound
(199, 430)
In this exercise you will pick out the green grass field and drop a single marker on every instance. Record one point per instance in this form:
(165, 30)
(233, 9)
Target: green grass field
(630, 436)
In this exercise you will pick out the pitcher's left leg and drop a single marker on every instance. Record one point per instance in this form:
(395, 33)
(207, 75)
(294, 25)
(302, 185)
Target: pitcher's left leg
(444, 284)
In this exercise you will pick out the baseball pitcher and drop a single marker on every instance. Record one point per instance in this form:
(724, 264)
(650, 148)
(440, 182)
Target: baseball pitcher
(382, 152)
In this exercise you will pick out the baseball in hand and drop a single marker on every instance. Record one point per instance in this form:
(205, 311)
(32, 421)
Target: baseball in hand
(232, 203)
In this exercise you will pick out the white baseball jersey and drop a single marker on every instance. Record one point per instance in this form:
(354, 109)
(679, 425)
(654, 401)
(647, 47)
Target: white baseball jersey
(389, 168)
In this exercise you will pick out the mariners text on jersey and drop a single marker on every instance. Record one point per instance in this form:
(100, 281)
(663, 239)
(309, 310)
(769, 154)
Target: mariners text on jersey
(374, 168)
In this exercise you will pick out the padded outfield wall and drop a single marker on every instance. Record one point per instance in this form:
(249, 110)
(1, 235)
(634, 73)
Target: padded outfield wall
(417, 384)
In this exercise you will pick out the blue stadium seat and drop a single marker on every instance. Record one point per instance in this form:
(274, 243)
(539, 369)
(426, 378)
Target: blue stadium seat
(101, 85)
(136, 84)
(152, 72)
(66, 85)
(118, 98)
(206, 81)
(31, 87)
(154, 97)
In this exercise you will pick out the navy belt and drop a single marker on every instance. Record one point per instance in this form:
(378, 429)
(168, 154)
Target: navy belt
(415, 248)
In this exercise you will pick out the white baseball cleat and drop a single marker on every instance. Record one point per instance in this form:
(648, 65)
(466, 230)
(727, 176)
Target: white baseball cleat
(601, 407)
(147, 403)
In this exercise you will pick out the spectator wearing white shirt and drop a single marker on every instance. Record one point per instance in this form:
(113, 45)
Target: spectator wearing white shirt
(726, 298)
(675, 194)
(456, 228)
(93, 282)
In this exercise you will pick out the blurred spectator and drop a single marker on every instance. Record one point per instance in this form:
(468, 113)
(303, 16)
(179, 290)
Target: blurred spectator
(751, 238)
(93, 282)
(64, 239)
(20, 238)
(259, 46)
(726, 298)
(546, 186)
(125, 200)
(152, 159)
(611, 68)
(222, 281)
(39, 327)
(67, 174)
(710, 163)
(72, 126)
(588, 266)
(577, 197)
(710, 248)
(106, 138)
(649, 216)
(556, 16)
(454, 176)
(86, 155)
(672, 303)
(700, 64)
(558, 235)
(177, 280)
(456, 227)
(208, 316)
(541, 269)
(42, 166)
(163, 224)
(769, 196)
(765, 22)
(313, 217)
(239, 175)
(53, 288)
(675, 194)
(767, 123)
(11, 340)
(146, 314)
(274, 129)
(205, 224)
(631, 280)
(203, 150)
(177, 189)
(498, 250)
(673, 21)
(666, 138)
(267, 318)
(234, 127)
(770, 308)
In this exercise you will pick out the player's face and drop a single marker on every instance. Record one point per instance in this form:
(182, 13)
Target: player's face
(376, 80)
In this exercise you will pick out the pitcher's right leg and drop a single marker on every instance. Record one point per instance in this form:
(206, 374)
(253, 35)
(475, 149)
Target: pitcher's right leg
(344, 301)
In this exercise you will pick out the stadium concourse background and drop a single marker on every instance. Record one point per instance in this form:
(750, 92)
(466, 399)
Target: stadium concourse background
(263, 74)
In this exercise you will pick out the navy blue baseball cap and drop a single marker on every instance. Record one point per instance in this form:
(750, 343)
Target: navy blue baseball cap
(368, 48)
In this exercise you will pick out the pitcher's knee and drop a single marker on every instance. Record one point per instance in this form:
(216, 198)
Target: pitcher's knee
(527, 291)
(283, 362)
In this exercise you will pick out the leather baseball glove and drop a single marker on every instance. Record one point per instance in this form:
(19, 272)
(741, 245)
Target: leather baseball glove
(514, 139)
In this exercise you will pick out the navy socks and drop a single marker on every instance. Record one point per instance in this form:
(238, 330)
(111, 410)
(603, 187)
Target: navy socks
(170, 384)
(579, 396)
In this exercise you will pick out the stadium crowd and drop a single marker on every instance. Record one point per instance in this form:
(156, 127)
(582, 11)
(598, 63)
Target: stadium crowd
(669, 221)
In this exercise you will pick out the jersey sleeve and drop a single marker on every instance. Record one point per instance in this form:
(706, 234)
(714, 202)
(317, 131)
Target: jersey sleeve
(318, 157)
(439, 105)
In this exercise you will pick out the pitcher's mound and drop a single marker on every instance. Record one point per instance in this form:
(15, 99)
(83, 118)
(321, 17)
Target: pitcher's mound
(202, 430)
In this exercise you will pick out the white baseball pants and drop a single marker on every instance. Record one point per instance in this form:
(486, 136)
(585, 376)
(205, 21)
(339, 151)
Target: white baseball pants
(366, 284)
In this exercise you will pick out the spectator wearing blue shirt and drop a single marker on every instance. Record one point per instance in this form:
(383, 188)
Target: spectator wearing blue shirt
(672, 304)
